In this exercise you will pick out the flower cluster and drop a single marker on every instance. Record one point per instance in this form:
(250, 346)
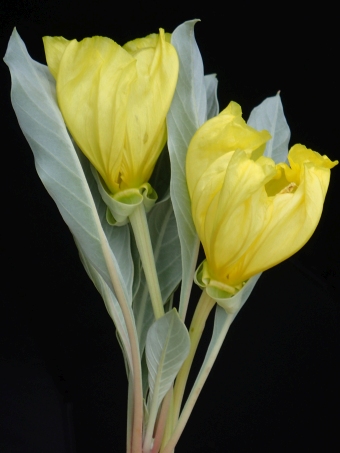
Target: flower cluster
(249, 212)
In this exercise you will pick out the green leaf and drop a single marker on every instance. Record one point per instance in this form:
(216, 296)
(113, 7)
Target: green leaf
(112, 307)
(222, 317)
(160, 178)
(269, 116)
(187, 113)
(222, 323)
(210, 82)
(166, 247)
(137, 264)
(167, 346)
(167, 255)
(145, 376)
(119, 238)
(67, 175)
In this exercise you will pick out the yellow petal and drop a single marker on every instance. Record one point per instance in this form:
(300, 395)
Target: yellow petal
(225, 133)
(54, 50)
(150, 97)
(93, 87)
(292, 216)
(250, 214)
(234, 217)
(299, 154)
(114, 101)
(150, 41)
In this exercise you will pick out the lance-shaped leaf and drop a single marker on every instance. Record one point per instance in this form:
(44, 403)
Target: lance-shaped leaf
(210, 82)
(167, 346)
(112, 307)
(187, 113)
(61, 171)
(166, 247)
(137, 264)
(269, 116)
(222, 323)
(119, 239)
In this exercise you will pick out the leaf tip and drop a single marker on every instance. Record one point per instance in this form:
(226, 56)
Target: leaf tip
(14, 36)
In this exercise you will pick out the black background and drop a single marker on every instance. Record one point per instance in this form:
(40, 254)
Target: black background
(275, 384)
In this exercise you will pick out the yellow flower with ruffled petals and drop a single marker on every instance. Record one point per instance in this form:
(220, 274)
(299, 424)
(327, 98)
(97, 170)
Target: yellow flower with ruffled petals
(250, 213)
(114, 101)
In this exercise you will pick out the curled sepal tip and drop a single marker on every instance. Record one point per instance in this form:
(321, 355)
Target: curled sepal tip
(121, 205)
(231, 299)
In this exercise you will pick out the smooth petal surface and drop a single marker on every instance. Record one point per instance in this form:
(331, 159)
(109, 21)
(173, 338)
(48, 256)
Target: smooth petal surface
(292, 217)
(250, 213)
(149, 101)
(114, 101)
(54, 50)
(93, 81)
(225, 133)
(243, 201)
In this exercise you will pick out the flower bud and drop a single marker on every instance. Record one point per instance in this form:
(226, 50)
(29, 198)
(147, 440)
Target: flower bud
(114, 101)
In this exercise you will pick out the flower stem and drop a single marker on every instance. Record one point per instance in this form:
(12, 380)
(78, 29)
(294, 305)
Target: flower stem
(200, 381)
(137, 430)
(162, 421)
(203, 309)
(188, 281)
(129, 415)
(142, 235)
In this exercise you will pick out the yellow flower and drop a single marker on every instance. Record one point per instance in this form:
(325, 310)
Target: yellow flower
(114, 101)
(250, 214)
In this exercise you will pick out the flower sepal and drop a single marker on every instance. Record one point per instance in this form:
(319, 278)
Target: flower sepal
(121, 205)
(230, 298)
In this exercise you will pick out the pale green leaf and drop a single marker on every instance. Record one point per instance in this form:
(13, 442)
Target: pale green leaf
(143, 312)
(160, 178)
(137, 264)
(62, 172)
(210, 82)
(119, 238)
(269, 116)
(112, 307)
(167, 346)
(222, 323)
(187, 113)
(166, 247)
(145, 376)
(222, 317)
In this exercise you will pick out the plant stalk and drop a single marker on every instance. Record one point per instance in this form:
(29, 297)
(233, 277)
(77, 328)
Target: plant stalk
(142, 235)
(137, 425)
(200, 381)
(203, 309)
(161, 422)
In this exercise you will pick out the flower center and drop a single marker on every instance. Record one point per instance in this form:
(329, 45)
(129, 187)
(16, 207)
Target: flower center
(290, 188)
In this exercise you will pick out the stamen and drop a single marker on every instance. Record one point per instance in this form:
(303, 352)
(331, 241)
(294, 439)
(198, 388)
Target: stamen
(290, 188)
